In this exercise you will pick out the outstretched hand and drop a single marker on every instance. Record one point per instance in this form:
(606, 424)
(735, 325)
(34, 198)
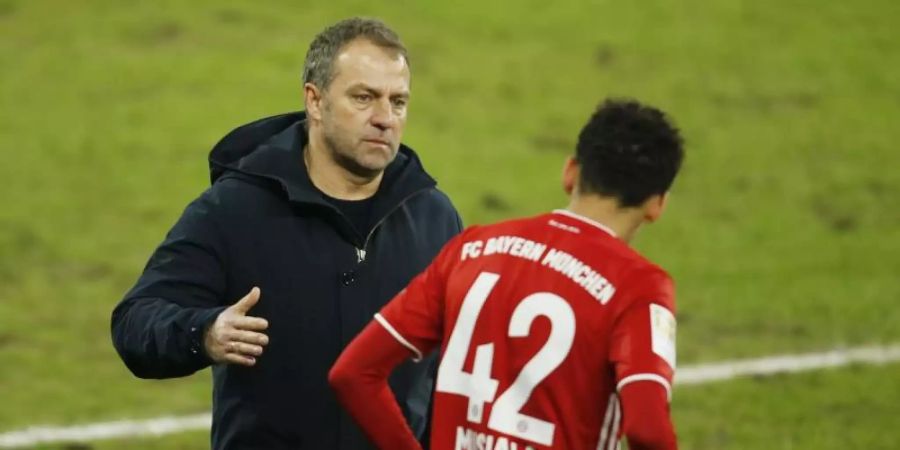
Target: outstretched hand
(235, 337)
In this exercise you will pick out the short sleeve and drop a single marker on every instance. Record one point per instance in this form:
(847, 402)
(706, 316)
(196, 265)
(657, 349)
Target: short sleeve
(415, 316)
(643, 340)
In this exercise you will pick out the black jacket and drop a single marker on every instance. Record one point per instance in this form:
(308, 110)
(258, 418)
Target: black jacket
(263, 223)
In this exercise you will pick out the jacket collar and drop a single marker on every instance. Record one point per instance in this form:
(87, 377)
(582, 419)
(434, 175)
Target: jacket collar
(271, 149)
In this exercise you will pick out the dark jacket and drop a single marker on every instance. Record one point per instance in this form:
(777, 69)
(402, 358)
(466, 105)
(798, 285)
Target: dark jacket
(263, 223)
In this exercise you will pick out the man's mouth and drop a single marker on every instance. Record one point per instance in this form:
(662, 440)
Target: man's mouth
(377, 141)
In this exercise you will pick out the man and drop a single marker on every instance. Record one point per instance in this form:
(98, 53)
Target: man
(554, 332)
(313, 221)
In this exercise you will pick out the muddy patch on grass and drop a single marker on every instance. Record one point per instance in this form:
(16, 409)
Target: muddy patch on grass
(156, 34)
(552, 143)
(833, 217)
(767, 102)
(494, 202)
(604, 56)
(230, 16)
(8, 8)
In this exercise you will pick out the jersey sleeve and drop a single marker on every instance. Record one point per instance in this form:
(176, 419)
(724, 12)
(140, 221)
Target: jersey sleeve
(359, 379)
(646, 420)
(643, 338)
(414, 317)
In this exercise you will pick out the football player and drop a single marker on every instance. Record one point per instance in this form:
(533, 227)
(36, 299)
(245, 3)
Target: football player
(554, 333)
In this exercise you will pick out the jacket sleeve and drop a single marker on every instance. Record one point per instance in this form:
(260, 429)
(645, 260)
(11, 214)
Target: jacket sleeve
(158, 327)
(460, 226)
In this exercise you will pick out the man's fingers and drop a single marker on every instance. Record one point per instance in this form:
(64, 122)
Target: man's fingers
(248, 337)
(234, 338)
(249, 323)
(245, 349)
(243, 305)
(235, 358)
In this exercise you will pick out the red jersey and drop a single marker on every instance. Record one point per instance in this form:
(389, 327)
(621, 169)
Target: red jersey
(540, 321)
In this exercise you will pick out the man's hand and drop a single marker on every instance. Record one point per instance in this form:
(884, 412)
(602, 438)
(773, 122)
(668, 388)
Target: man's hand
(235, 337)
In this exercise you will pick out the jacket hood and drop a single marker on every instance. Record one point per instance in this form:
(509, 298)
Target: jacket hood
(271, 150)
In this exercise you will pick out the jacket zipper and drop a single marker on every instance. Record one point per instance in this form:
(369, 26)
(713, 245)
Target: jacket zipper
(361, 252)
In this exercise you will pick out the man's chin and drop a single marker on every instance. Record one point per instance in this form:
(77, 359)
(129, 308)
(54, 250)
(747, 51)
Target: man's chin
(368, 166)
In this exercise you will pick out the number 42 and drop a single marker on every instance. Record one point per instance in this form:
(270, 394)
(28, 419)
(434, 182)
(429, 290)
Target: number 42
(478, 385)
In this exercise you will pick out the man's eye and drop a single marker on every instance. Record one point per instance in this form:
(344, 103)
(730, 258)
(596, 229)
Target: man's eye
(362, 97)
(400, 102)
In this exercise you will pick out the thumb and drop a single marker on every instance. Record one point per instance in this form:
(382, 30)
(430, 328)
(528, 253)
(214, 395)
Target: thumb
(243, 305)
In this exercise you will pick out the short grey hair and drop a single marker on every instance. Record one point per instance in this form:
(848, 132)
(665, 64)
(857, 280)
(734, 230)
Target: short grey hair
(319, 66)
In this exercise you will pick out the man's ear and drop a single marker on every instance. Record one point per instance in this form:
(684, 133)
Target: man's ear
(312, 96)
(654, 206)
(570, 172)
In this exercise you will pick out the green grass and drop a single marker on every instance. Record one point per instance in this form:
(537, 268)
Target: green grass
(854, 407)
(773, 412)
(783, 234)
(184, 441)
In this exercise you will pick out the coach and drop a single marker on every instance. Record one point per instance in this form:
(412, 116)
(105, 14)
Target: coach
(314, 220)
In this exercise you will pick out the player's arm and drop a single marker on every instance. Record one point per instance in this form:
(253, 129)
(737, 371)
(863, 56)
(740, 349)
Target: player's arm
(647, 424)
(643, 353)
(409, 326)
(359, 378)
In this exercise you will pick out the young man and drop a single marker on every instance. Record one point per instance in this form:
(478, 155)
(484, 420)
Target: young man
(554, 333)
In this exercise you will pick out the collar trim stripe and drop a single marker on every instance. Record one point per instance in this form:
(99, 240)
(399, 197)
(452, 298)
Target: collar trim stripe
(593, 223)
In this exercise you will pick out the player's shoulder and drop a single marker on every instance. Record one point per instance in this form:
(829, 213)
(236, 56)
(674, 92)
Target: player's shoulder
(640, 266)
(521, 225)
(636, 276)
(647, 281)
(633, 267)
(647, 272)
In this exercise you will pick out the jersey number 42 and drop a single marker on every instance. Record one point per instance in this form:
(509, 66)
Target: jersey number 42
(479, 387)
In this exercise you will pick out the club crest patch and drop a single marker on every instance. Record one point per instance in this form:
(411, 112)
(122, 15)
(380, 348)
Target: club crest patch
(662, 332)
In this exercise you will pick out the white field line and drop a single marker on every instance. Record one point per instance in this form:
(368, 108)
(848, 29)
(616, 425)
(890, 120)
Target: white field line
(697, 374)
(726, 370)
(105, 430)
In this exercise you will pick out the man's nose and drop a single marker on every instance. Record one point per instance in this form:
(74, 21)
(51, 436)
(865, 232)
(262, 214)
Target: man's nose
(383, 116)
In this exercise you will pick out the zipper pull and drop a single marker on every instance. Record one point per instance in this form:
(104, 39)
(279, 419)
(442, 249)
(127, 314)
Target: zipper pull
(360, 255)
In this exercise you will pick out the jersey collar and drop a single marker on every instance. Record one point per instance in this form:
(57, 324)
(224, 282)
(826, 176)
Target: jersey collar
(594, 223)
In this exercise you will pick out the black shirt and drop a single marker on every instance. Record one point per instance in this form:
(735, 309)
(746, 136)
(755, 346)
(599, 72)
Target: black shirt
(358, 212)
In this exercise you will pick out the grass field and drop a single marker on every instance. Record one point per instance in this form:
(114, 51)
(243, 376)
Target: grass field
(783, 234)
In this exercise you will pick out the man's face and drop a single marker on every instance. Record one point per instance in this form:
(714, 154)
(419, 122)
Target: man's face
(363, 110)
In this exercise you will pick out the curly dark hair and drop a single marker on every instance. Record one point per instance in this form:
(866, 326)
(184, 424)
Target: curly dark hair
(628, 151)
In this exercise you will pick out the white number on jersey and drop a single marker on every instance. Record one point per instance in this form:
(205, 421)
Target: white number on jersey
(479, 387)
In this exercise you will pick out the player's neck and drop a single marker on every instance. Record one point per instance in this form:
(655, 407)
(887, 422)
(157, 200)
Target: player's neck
(335, 181)
(623, 221)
